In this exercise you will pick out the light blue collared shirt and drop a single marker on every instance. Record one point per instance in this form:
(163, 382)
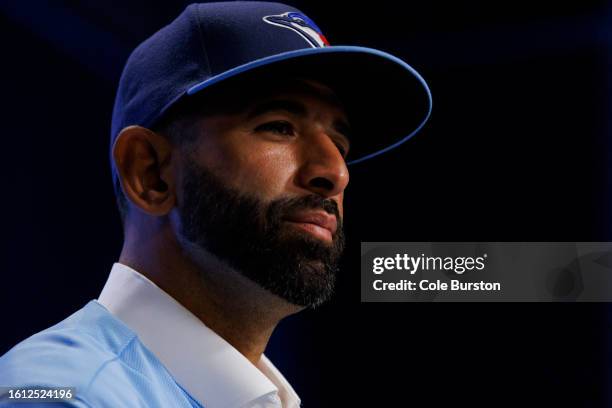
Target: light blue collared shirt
(136, 346)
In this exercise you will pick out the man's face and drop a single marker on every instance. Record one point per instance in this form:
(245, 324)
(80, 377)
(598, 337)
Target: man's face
(262, 189)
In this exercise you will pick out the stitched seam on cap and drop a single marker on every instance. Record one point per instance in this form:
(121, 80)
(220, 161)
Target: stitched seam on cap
(202, 42)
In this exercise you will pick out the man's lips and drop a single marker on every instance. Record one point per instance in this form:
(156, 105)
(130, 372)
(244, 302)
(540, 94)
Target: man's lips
(317, 222)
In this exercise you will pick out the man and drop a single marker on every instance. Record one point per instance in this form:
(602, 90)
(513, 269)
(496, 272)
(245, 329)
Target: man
(230, 140)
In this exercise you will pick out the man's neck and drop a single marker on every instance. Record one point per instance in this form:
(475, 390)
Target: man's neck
(236, 308)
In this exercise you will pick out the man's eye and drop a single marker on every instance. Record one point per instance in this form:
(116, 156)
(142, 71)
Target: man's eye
(280, 127)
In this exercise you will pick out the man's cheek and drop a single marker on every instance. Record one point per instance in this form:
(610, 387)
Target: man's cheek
(276, 161)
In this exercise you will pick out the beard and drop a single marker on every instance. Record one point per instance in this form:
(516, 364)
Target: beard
(252, 237)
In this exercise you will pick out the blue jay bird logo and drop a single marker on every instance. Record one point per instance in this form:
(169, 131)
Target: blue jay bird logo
(302, 25)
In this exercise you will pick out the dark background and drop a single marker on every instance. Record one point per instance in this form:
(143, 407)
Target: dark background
(517, 149)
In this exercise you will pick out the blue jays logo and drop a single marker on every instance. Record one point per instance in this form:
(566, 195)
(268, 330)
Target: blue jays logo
(300, 24)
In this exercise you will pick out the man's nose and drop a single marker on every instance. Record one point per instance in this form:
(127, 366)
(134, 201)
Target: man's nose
(323, 170)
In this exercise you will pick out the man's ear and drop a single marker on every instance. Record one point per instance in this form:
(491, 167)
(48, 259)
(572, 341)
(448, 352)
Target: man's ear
(142, 158)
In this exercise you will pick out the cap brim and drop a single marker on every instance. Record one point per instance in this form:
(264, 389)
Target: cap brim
(387, 101)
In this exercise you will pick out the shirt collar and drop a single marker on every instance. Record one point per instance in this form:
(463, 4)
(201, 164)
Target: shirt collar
(201, 361)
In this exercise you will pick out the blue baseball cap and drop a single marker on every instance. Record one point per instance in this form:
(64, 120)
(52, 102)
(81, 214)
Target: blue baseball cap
(386, 100)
